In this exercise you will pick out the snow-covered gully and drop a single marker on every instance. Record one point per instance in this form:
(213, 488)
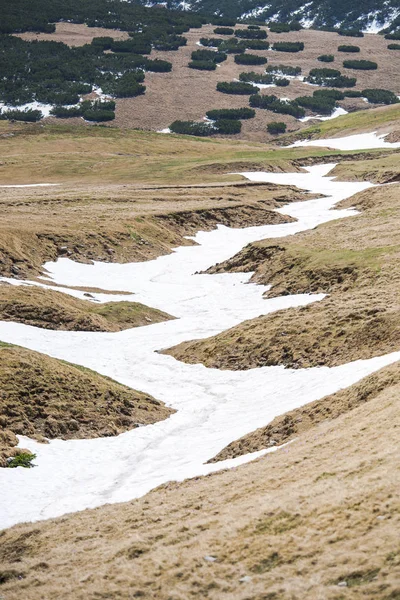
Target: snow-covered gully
(213, 407)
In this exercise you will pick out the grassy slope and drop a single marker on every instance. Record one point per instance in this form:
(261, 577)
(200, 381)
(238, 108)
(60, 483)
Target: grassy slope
(55, 310)
(296, 524)
(67, 153)
(382, 119)
(42, 396)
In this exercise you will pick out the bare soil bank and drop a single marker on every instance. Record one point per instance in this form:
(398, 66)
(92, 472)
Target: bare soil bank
(318, 519)
(355, 261)
(44, 397)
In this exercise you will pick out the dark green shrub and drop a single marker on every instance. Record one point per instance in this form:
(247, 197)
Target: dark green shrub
(255, 44)
(232, 46)
(276, 127)
(393, 36)
(250, 59)
(325, 73)
(103, 43)
(335, 94)
(223, 21)
(216, 57)
(351, 33)
(348, 49)
(352, 94)
(288, 46)
(282, 82)
(223, 31)
(273, 104)
(128, 87)
(284, 27)
(324, 105)
(394, 47)
(99, 115)
(279, 27)
(330, 78)
(228, 126)
(380, 96)
(253, 77)
(192, 128)
(327, 58)
(61, 112)
(235, 87)
(28, 116)
(362, 65)
(253, 27)
(24, 459)
(158, 66)
(211, 42)
(284, 70)
(250, 34)
(231, 113)
(137, 45)
(202, 65)
(169, 42)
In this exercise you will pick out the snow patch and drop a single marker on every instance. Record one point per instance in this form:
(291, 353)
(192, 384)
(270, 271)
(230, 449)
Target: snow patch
(360, 141)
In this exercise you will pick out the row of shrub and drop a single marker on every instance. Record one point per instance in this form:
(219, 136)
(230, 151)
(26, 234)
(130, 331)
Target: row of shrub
(362, 65)
(211, 55)
(284, 27)
(274, 104)
(250, 59)
(223, 31)
(90, 110)
(330, 77)
(345, 48)
(288, 46)
(231, 113)
(203, 128)
(235, 87)
(251, 34)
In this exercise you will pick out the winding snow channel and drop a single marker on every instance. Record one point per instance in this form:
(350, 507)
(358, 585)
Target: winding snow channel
(213, 407)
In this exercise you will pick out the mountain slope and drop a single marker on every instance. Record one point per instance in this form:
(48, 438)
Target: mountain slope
(328, 13)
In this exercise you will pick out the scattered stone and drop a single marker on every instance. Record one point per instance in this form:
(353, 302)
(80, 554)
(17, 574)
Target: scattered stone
(210, 558)
(342, 584)
(245, 579)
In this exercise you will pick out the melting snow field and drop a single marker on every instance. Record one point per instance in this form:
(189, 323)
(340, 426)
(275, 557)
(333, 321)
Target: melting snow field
(213, 407)
(361, 141)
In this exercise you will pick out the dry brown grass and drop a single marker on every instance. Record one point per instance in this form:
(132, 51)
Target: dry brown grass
(296, 422)
(322, 511)
(55, 310)
(74, 34)
(355, 261)
(41, 396)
